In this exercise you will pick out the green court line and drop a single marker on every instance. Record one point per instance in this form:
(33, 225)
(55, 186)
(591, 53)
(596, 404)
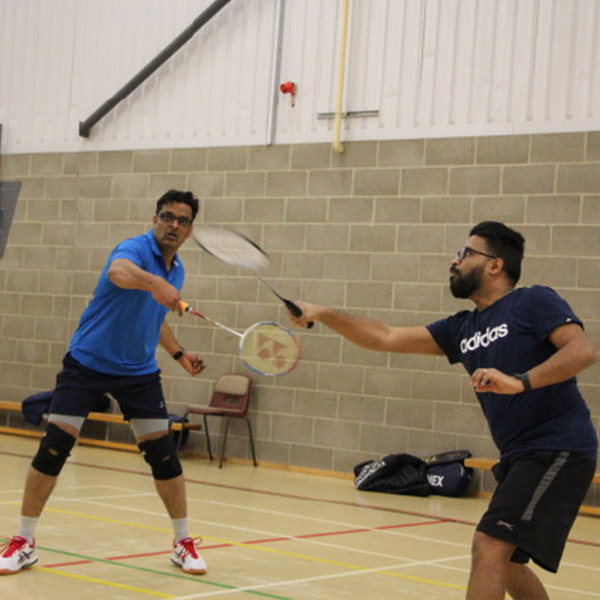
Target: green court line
(156, 572)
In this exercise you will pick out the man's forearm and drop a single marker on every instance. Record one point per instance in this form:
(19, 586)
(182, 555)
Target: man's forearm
(167, 339)
(125, 274)
(571, 359)
(360, 330)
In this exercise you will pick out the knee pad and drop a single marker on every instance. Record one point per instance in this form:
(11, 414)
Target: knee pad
(55, 448)
(160, 454)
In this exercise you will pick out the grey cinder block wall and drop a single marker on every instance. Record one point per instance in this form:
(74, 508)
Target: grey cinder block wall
(372, 230)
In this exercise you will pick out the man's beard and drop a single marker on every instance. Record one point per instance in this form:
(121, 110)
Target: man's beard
(463, 286)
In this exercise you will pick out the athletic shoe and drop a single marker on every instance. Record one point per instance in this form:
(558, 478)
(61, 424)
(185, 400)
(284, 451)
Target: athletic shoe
(16, 555)
(184, 555)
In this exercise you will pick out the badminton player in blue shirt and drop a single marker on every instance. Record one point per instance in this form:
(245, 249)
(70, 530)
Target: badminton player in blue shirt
(522, 348)
(113, 350)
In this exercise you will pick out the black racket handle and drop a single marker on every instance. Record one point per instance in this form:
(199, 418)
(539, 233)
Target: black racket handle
(296, 311)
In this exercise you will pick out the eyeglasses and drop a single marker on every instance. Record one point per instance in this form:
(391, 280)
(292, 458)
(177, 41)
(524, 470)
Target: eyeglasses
(169, 217)
(464, 252)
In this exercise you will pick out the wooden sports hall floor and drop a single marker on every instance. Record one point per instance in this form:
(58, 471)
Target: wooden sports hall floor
(267, 534)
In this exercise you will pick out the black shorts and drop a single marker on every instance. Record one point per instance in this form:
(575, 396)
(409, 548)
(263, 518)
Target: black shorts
(78, 388)
(536, 502)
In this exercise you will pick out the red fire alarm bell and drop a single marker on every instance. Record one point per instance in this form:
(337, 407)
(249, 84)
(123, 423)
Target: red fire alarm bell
(289, 87)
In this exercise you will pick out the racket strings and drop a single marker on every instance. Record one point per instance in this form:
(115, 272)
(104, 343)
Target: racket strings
(231, 247)
(270, 349)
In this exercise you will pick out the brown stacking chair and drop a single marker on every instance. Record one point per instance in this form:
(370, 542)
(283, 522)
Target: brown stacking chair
(230, 400)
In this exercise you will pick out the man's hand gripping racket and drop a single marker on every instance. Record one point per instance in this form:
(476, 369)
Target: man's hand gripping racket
(238, 250)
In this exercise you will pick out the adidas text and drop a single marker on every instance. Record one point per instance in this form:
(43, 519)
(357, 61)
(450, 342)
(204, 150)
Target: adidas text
(483, 339)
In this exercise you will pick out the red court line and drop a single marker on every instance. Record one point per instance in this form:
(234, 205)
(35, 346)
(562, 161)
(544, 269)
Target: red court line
(263, 541)
(285, 495)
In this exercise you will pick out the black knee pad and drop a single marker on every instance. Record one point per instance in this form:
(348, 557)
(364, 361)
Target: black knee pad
(162, 457)
(55, 448)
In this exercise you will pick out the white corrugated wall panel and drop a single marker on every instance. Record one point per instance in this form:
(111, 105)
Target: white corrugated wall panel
(430, 68)
(212, 91)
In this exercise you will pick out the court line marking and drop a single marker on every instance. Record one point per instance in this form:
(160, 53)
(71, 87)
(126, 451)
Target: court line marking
(254, 531)
(355, 567)
(191, 578)
(360, 569)
(403, 512)
(402, 534)
(112, 584)
(72, 487)
(105, 497)
(281, 494)
(306, 557)
(302, 537)
(383, 570)
(269, 550)
(363, 571)
(255, 490)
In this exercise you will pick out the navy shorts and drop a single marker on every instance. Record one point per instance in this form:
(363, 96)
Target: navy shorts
(536, 502)
(78, 388)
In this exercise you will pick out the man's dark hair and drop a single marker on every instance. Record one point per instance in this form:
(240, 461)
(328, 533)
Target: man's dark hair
(505, 243)
(181, 198)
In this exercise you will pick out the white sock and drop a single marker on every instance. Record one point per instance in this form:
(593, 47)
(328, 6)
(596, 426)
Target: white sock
(27, 528)
(180, 528)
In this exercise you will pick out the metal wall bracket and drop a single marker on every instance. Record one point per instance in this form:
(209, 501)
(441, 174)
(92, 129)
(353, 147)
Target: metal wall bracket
(350, 114)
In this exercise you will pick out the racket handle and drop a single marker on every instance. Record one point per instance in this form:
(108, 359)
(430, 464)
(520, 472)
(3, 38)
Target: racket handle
(296, 311)
(185, 307)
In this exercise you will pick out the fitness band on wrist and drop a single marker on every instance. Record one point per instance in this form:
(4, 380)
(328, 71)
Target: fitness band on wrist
(178, 354)
(524, 377)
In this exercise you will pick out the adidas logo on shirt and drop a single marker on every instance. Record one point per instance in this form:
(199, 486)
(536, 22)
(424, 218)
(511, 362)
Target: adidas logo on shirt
(485, 339)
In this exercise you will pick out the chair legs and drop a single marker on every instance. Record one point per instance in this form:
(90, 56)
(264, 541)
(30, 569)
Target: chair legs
(251, 441)
(224, 439)
(207, 436)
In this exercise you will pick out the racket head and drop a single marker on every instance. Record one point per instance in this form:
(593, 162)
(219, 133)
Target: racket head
(269, 349)
(230, 246)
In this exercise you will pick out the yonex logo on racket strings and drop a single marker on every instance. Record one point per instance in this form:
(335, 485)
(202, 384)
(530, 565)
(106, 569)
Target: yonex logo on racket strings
(270, 349)
(485, 339)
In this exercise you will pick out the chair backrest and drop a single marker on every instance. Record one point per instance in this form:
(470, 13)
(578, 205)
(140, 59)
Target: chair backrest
(233, 393)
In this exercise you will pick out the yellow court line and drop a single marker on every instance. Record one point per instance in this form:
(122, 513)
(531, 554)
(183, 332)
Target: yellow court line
(120, 586)
(337, 563)
(263, 549)
(106, 520)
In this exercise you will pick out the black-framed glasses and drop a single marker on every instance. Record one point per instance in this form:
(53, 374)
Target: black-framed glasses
(465, 250)
(169, 217)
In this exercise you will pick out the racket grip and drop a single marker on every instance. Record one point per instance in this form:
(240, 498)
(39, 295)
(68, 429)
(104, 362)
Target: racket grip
(185, 307)
(296, 311)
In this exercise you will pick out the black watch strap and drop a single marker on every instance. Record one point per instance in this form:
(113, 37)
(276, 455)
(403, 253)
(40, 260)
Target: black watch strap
(178, 354)
(524, 377)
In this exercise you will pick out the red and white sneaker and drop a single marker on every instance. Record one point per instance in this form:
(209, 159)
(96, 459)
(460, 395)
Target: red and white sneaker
(184, 555)
(16, 555)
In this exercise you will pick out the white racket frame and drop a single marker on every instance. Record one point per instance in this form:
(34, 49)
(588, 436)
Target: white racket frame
(187, 308)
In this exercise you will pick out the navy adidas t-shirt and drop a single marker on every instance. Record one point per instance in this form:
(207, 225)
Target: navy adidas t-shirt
(512, 335)
(119, 330)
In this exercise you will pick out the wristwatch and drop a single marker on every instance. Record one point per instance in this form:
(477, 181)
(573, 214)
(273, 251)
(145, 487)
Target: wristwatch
(178, 354)
(524, 377)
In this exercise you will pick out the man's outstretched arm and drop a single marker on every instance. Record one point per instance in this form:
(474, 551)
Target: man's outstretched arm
(369, 333)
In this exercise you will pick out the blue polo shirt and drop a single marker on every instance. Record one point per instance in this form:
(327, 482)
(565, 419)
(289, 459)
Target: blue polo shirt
(119, 330)
(512, 335)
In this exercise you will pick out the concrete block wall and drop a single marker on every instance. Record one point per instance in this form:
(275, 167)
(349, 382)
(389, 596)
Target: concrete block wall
(372, 230)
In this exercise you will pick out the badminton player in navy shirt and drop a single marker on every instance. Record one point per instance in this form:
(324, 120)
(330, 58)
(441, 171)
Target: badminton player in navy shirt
(522, 349)
(113, 350)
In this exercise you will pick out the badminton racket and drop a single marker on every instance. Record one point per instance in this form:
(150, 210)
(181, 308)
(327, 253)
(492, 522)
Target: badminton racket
(236, 249)
(266, 348)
